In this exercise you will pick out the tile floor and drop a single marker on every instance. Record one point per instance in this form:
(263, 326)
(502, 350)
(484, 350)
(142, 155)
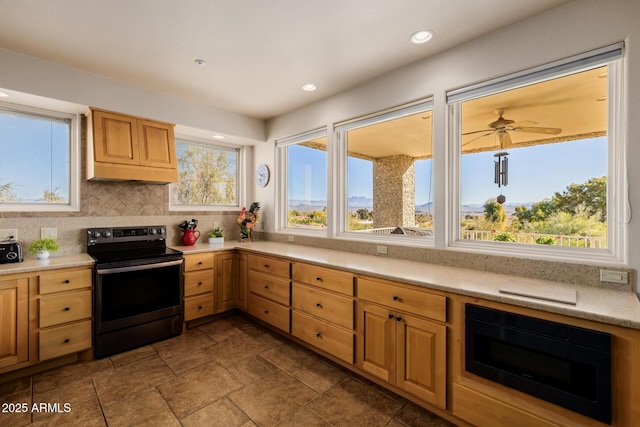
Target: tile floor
(230, 372)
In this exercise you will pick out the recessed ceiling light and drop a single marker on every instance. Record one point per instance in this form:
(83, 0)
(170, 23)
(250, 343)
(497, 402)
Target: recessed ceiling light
(309, 87)
(3, 94)
(422, 36)
(217, 137)
(200, 62)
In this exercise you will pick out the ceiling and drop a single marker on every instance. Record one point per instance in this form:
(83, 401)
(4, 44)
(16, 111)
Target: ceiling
(258, 53)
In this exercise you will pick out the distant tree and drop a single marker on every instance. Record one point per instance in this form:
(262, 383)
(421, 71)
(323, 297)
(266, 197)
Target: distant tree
(205, 178)
(494, 212)
(590, 196)
(52, 196)
(6, 192)
(364, 214)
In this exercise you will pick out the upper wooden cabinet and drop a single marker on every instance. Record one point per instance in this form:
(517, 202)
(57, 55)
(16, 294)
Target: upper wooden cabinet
(121, 147)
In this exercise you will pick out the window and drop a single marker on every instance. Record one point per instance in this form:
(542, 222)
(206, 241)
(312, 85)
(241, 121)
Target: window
(39, 160)
(208, 177)
(304, 186)
(537, 155)
(387, 164)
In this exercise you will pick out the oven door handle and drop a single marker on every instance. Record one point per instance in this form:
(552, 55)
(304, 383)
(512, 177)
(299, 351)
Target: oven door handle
(138, 267)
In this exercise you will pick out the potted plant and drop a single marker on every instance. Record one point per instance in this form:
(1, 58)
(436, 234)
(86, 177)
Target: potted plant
(41, 248)
(216, 237)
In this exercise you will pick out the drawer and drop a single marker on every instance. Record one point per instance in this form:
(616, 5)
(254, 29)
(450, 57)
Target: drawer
(269, 265)
(270, 312)
(200, 306)
(67, 339)
(198, 261)
(333, 340)
(65, 280)
(271, 287)
(331, 307)
(326, 278)
(404, 299)
(68, 307)
(197, 282)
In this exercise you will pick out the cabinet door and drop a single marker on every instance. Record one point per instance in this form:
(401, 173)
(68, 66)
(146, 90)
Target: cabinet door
(376, 340)
(14, 321)
(225, 269)
(156, 144)
(243, 281)
(115, 138)
(421, 356)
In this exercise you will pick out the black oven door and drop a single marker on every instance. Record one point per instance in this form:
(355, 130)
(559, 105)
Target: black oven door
(137, 293)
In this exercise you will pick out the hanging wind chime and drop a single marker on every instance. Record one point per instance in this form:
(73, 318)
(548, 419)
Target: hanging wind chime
(501, 173)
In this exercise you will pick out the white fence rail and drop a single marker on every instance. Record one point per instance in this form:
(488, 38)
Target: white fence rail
(530, 238)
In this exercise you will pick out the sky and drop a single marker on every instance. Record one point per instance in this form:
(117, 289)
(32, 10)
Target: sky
(535, 173)
(33, 168)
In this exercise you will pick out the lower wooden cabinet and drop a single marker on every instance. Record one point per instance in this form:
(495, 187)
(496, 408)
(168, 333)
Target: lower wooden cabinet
(65, 312)
(334, 340)
(404, 350)
(270, 312)
(225, 268)
(242, 280)
(198, 285)
(14, 321)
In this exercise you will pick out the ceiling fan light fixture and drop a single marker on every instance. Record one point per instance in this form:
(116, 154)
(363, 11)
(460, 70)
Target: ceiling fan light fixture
(200, 62)
(216, 136)
(422, 36)
(309, 87)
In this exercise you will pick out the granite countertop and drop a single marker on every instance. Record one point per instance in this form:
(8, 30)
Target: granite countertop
(31, 264)
(601, 304)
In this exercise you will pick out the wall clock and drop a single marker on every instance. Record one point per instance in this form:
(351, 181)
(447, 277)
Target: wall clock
(262, 175)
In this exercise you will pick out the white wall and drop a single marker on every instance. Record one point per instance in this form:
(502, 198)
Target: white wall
(34, 76)
(576, 27)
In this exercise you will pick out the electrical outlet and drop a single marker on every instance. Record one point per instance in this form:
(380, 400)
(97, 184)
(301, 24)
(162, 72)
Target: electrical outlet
(8, 233)
(49, 233)
(614, 276)
(291, 238)
(381, 250)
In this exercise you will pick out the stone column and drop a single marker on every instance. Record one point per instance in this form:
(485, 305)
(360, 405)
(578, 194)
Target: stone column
(394, 192)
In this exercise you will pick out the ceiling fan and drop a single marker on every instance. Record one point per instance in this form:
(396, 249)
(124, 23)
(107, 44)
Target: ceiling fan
(502, 127)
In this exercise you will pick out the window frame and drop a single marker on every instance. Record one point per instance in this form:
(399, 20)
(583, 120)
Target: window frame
(282, 198)
(241, 161)
(618, 209)
(74, 160)
(340, 130)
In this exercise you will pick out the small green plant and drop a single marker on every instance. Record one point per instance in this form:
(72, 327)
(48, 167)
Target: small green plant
(216, 232)
(546, 240)
(505, 237)
(43, 245)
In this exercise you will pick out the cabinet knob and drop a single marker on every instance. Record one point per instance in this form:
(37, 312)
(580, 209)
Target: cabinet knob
(199, 262)
(199, 307)
(67, 308)
(67, 281)
(266, 286)
(266, 312)
(199, 283)
(318, 335)
(319, 279)
(318, 305)
(67, 340)
(266, 266)
(391, 316)
(398, 318)
(395, 298)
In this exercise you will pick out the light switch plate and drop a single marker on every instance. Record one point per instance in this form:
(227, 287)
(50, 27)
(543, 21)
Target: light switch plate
(381, 250)
(6, 233)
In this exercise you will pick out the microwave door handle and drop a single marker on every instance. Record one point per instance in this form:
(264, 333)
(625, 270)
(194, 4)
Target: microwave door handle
(138, 267)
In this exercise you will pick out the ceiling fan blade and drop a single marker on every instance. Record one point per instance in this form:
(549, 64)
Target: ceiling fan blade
(478, 131)
(477, 137)
(523, 123)
(547, 131)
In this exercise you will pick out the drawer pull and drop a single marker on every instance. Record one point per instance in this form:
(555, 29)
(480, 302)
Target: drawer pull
(67, 308)
(266, 286)
(319, 279)
(67, 281)
(391, 316)
(266, 266)
(395, 298)
(199, 307)
(318, 305)
(199, 283)
(67, 340)
(399, 318)
(199, 262)
(266, 312)
(318, 335)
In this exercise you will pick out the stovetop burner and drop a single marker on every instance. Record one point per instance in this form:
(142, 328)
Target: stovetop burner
(122, 244)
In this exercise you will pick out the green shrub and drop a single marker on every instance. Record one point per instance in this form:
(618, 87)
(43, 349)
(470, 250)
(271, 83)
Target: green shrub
(546, 240)
(505, 237)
